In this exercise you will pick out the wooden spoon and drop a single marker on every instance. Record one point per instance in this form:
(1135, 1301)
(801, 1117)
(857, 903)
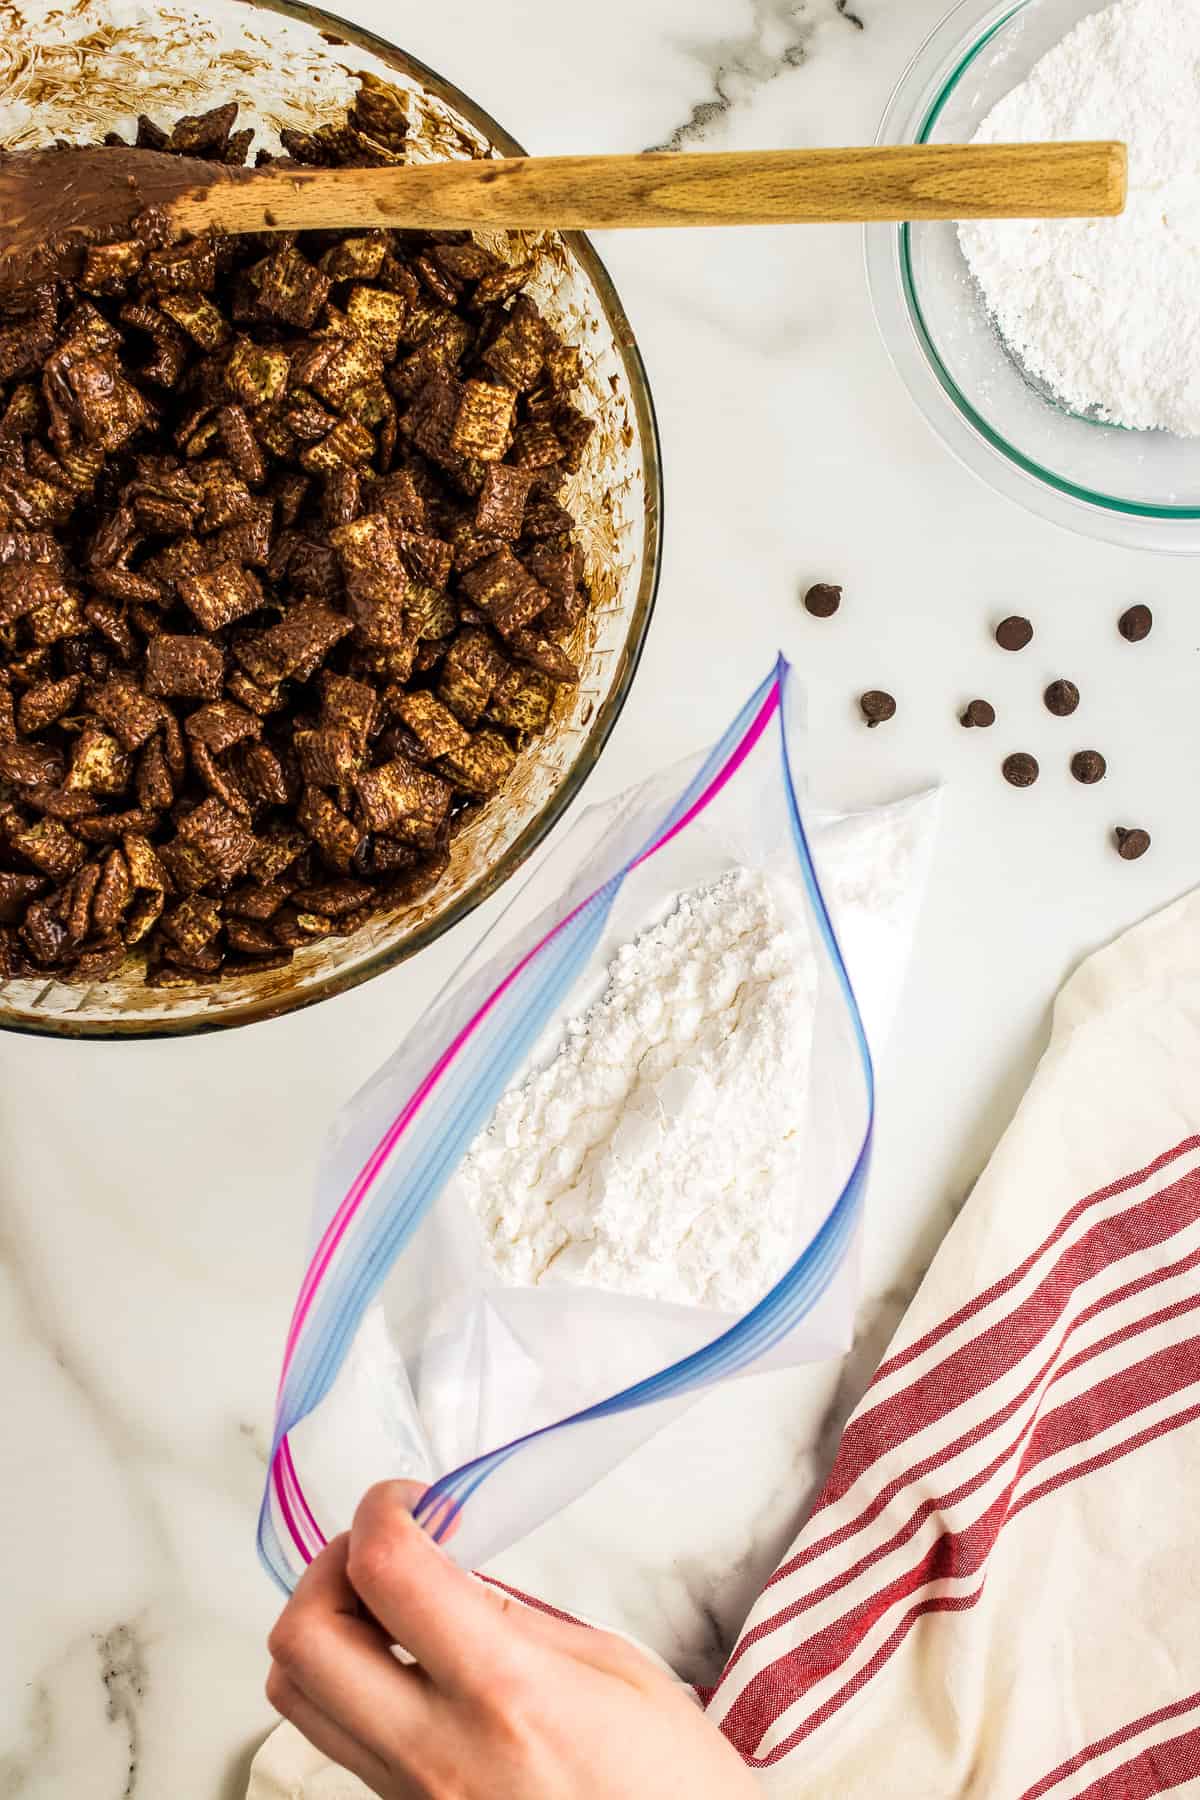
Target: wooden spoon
(54, 202)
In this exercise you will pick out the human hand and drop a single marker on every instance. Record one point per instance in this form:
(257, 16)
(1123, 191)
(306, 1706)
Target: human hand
(504, 1703)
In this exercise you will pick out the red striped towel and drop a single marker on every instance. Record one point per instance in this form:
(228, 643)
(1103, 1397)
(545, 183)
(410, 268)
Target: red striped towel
(998, 1592)
(997, 1595)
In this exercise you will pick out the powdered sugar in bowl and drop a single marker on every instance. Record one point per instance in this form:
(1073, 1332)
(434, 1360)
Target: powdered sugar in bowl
(1140, 488)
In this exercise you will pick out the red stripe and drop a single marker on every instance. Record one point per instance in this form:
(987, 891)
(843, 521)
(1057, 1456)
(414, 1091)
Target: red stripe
(957, 1555)
(933, 1504)
(1130, 1390)
(1176, 1309)
(753, 1730)
(1188, 1416)
(1113, 1741)
(977, 1433)
(1007, 1282)
(542, 1606)
(978, 1364)
(1154, 1770)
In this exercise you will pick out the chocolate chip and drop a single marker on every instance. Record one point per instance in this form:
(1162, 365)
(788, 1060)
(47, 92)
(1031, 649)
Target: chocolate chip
(823, 599)
(877, 706)
(1020, 769)
(1061, 697)
(1131, 842)
(1014, 633)
(1088, 766)
(1134, 625)
(979, 712)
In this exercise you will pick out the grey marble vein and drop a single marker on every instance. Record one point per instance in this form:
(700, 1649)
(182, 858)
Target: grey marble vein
(121, 1659)
(123, 1672)
(257, 1436)
(779, 39)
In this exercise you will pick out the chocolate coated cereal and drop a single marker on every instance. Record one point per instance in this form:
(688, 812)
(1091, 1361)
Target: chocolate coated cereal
(286, 575)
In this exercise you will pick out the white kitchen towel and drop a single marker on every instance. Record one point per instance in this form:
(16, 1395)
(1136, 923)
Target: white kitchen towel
(288, 1768)
(997, 1595)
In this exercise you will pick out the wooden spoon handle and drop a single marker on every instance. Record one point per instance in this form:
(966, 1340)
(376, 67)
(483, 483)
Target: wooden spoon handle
(771, 187)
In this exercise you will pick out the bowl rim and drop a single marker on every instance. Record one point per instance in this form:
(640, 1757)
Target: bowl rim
(917, 100)
(341, 980)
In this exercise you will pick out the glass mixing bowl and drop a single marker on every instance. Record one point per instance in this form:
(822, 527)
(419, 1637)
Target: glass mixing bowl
(1137, 488)
(92, 67)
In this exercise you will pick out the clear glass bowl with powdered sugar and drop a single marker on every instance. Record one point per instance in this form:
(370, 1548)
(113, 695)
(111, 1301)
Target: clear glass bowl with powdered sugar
(77, 71)
(1137, 488)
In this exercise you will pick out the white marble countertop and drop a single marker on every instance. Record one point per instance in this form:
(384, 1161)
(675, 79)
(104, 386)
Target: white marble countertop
(155, 1198)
